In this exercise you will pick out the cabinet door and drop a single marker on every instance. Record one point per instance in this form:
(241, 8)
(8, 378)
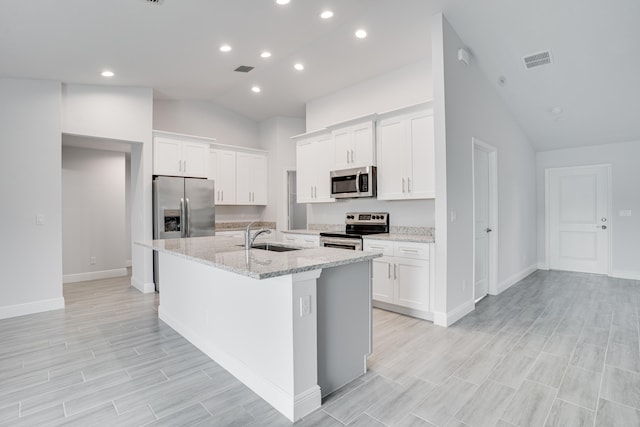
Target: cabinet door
(412, 283)
(226, 177)
(243, 179)
(383, 283)
(167, 157)
(421, 185)
(363, 153)
(392, 155)
(343, 148)
(259, 179)
(194, 159)
(322, 160)
(305, 171)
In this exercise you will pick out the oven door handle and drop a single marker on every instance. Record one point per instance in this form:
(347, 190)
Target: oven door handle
(358, 182)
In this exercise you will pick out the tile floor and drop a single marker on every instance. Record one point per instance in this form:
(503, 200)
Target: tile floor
(558, 349)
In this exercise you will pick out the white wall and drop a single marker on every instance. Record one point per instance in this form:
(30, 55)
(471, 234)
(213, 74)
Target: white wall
(408, 85)
(623, 158)
(127, 209)
(472, 108)
(405, 86)
(275, 135)
(121, 113)
(30, 169)
(202, 118)
(93, 213)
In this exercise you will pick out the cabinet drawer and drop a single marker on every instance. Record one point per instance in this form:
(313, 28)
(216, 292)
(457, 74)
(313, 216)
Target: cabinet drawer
(411, 250)
(384, 246)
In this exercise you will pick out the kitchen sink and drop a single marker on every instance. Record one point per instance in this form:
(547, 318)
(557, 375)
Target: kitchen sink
(273, 247)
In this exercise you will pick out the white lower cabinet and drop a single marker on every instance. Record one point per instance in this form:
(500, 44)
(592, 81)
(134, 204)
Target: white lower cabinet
(402, 277)
(305, 240)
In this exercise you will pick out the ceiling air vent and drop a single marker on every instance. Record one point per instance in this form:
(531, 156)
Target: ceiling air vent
(537, 59)
(244, 69)
(155, 1)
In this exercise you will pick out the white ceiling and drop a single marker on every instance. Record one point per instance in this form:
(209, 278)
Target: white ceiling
(173, 47)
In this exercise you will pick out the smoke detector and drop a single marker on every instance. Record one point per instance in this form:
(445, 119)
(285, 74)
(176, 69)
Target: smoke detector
(537, 59)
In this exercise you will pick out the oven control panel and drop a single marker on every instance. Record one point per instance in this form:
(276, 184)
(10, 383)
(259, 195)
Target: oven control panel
(367, 218)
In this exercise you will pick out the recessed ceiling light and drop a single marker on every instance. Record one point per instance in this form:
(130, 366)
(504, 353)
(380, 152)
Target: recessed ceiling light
(107, 73)
(556, 110)
(361, 34)
(225, 48)
(256, 89)
(265, 54)
(281, 2)
(298, 66)
(326, 14)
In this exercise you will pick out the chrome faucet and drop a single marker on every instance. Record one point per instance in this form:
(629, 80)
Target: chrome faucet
(249, 239)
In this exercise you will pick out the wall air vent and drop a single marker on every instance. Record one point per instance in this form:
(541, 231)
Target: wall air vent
(537, 59)
(155, 1)
(244, 69)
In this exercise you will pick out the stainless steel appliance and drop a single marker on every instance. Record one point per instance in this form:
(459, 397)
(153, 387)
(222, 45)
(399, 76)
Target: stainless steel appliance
(356, 182)
(182, 207)
(357, 224)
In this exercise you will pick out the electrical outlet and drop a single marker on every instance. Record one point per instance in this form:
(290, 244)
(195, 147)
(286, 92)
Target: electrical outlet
(453, 216)
(40, 219)
(92, 260)
(305, 305)
(626, 212)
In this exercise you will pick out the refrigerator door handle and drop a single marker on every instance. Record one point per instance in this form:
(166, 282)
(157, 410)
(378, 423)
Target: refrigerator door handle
(188, 212)
(182, 218)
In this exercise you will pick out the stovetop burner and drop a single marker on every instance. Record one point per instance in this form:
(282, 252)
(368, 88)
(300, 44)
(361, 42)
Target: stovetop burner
(360, 224)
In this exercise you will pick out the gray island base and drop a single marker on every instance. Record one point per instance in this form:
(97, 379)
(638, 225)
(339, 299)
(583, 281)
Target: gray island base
(300, 333)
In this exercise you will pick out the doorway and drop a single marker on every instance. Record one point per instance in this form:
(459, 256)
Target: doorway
(296, 212)
(577, 216)
(485, 213)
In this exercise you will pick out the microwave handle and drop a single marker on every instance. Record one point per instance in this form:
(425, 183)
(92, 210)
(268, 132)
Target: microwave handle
(358, 182)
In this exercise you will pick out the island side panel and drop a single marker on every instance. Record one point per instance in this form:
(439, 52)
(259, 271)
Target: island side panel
(344, 324)
(248, 326)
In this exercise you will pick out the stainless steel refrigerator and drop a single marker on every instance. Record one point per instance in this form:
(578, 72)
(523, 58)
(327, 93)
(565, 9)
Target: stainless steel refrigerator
(182, 207)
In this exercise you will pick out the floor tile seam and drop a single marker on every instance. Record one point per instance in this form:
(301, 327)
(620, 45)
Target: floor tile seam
(369, 415)
(510, 399)
(620, 403)
(606, 353)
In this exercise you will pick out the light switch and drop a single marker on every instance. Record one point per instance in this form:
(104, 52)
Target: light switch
(624, 212)
(453, 215)
(40, 219)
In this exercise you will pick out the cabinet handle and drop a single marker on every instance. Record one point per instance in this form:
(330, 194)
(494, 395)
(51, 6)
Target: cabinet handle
(408, 185)
(395, 271)
(351, 156)
(179, 165)
(413, 251)
(389, 271)
(222, 196)
(403, 185)
(376, 247)
(347, 156)
(315, 192)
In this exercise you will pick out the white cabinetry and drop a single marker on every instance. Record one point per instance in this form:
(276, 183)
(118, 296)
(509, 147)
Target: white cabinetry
(305, 240)
(354, 145)
(222, 169)
(405, 144)
(314, 157)
(174, 157)
(251, 179)
(401, 278)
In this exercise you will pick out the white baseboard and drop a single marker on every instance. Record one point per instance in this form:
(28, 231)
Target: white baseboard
(293, 407)
(622, 274)
(94, 275)
(543, 266)
(128, 263)
(515, 278)
(403, 310)
(452, 316)
(31, 307)
(145, 288)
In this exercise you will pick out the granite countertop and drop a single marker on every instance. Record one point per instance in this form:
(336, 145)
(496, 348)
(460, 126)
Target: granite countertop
(228, 253)
(303, 231)
(242, 225)
(417, 238)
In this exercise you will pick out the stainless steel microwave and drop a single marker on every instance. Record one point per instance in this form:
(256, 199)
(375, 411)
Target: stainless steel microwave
(356, 182)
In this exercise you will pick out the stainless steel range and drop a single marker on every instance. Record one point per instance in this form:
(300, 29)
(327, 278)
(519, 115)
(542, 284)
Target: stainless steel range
(357, 224)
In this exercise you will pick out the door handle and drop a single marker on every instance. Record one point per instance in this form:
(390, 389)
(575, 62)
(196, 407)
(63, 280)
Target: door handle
(488, 230)
(188, 212)
(604, 227)
(183, 218)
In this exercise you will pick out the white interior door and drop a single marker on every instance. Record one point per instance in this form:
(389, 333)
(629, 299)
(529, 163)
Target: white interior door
(482, 222)
(578, 219)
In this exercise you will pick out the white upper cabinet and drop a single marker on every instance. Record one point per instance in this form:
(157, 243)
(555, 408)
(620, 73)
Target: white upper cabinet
(251, 179)
(405, 145)
(172, 156)
(354, 145)
(222, 169)
(314, 161)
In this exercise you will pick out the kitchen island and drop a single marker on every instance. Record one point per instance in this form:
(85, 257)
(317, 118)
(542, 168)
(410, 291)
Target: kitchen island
(293, 326)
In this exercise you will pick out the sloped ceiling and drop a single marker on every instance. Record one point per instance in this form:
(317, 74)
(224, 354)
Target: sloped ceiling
(173, 47)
